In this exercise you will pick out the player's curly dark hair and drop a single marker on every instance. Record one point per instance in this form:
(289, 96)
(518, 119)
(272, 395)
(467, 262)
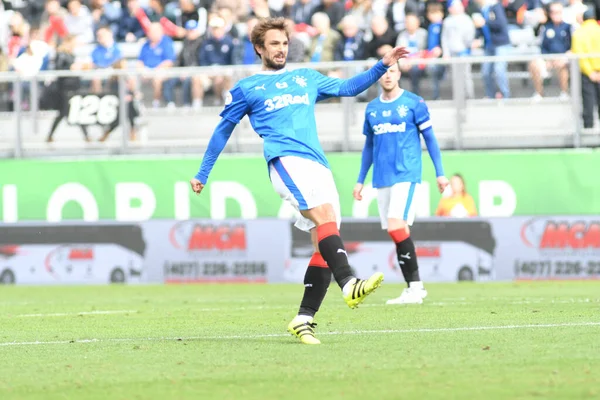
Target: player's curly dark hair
(257, 37)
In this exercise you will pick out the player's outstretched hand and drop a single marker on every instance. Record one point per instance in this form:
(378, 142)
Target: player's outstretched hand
(442, 182)
(391, 57)
(197, 186)
(357, 192)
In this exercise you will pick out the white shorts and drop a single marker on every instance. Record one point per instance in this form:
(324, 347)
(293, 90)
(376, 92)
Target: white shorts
(305, 184)
(397, 202)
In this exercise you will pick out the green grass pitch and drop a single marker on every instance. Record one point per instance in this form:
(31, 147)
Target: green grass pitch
(467, 341)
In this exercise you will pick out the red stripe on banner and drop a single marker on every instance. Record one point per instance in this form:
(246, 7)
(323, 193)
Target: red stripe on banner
(205, 280)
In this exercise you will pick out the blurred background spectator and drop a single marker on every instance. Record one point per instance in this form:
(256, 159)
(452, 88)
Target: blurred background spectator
(556, 39)
(586, 40)
(456, 202)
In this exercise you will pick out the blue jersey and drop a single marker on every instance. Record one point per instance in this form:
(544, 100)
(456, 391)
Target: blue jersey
(393, 143)
(281, 109)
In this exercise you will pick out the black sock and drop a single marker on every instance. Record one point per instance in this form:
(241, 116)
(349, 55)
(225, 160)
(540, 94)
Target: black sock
(407, 258)
(333, 251)
(316, 282)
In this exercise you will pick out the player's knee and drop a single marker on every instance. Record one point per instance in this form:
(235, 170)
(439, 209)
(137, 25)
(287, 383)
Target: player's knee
(321, 214)
(395, 224)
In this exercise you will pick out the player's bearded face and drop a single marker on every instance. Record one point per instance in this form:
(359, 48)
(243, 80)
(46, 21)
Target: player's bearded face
(274, 53)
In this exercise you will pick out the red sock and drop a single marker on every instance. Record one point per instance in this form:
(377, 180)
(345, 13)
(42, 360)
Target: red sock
(399, 235)
(318, 261)
(326, 230)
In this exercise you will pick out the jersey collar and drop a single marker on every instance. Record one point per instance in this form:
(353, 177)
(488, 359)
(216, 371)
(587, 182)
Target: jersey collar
(391, 100)
(279, 71)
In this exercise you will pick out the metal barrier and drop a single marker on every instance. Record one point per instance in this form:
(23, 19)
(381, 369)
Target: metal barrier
(460, 122)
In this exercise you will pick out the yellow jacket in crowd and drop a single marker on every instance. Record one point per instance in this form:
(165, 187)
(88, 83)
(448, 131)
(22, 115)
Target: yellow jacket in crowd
(586, 40)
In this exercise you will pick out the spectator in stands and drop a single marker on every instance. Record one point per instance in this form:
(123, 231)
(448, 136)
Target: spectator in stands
(458, 33)
(362, 11)
(130, 29)
(322, 45)
(191, 12)
(66, 86)
(456, 202)
(435, 16)
(28, 64)
(261, 9)
(105, 55)
(228, 16)
(240, 7)
(159, 53)
(493, 28)
(414, 38)
(296, 47)
(515, 12)
(302, 11)
(31, 10)
(334, 10)
(156, 13)
(244, 53)
(586, 40)
(79, 22)
(217, 49)
(351, 45)
(286, 8)
(556, 39)
(53, 23)
(18, 35)
(573, 13)
(106, 13)
(189, 57)
(397, 11)
(383, 38)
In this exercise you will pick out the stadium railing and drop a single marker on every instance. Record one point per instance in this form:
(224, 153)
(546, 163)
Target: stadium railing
(460, 122)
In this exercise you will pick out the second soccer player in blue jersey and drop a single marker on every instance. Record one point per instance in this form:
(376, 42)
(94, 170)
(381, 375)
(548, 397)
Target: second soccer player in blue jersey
(394, 124)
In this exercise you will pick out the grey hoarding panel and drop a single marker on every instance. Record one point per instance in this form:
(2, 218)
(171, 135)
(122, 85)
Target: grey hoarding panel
(448, 250)
(73, 253)
(557, 247)
(147, 252)
(197, 251)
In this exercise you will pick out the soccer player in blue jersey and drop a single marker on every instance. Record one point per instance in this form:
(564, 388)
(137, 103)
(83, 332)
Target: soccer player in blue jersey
(393, 125)
(281, 107)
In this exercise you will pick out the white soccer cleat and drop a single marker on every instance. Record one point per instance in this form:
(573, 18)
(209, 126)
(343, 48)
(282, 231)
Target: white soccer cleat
(409, 296)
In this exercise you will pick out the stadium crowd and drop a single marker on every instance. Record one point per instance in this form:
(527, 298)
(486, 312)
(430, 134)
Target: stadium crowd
(51, 34)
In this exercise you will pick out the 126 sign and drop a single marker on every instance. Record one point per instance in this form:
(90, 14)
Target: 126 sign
(93, 109)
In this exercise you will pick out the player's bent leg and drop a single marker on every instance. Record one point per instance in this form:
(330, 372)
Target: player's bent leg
(332, 249)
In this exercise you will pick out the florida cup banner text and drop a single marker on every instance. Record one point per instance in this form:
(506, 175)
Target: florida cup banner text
(273, 251)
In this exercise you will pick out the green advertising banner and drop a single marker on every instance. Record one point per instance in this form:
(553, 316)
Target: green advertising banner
(135, 189)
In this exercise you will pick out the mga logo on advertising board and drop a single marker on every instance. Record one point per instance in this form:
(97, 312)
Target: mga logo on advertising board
(196, 237)
(561, 235)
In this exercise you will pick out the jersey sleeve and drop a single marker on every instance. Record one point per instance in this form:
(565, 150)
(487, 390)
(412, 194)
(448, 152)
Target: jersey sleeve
(422, 118)
(327, 87)
(236, 106)
(367, 153)
(423, 122)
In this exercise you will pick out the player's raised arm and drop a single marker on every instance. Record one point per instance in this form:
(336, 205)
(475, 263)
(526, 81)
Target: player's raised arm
(235, 109)
(335, 87)
(366, 159)
(423, 121)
